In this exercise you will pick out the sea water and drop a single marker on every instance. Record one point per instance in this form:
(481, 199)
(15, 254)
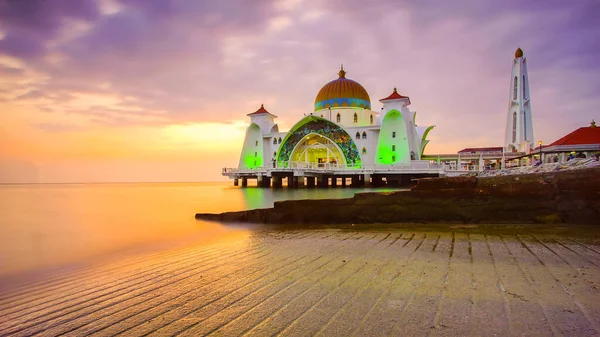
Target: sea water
(50, 225)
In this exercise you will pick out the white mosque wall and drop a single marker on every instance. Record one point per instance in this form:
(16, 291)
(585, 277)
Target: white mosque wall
(365, 139)
(409, 130)
(393, 144)
(252, 151)
(264, 121)
(364, 117)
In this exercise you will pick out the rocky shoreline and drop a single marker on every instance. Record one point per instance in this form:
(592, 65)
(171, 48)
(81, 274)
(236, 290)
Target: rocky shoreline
(571, 196)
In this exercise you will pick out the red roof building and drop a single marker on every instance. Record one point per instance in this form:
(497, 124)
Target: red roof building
(584, 140)
(482, 150)
(585, 135)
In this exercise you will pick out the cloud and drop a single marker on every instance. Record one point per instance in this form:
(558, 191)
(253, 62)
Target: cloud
(31, 24)
(10, 71)
(190, 61)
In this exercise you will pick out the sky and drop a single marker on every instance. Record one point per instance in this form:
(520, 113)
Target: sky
(158, 90)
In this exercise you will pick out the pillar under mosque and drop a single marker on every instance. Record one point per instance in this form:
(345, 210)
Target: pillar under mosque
(355, 181)
(236, 182)
(310, 181)
(334, 181)
(366, 178)
(322, 181)
(343, 181)
(244, 181)
(300, 182)
(277, 182)
(293, 182)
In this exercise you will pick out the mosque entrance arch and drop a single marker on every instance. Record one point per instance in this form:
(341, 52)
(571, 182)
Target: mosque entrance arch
(315, 150)
(313, 134)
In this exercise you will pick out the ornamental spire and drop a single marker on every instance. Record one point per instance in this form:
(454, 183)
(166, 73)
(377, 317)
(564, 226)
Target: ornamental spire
(342, 73)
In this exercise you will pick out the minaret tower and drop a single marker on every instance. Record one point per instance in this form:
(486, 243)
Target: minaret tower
(519, 124)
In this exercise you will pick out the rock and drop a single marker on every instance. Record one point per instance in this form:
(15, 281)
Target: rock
(568, 196)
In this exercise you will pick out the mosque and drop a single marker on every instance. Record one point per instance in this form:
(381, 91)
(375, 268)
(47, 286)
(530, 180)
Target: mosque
(341, 139)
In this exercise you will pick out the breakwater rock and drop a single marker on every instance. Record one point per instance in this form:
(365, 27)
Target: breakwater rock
(550, 197)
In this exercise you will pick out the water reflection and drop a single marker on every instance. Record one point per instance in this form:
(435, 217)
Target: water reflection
(256, 197)
(48, 225)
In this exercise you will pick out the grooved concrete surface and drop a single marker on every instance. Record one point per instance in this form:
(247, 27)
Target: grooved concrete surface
(328, 283)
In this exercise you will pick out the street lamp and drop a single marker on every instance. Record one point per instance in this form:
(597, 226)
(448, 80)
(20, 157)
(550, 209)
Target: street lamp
(540, 145)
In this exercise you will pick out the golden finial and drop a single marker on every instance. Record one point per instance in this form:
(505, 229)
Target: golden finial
(342, 73)
(593, 124)
(519, 53)
(395, 90)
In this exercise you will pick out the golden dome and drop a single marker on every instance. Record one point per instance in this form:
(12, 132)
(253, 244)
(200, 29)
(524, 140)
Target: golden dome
(519, 53)
(342, 92)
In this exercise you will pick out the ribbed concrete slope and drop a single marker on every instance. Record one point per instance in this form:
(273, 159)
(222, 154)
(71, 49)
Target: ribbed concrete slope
(325, 282)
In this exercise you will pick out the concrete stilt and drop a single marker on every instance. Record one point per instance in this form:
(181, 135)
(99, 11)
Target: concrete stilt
(334, 181)
(294, 182)
(310, 181)
(236, 182)
(366, 180)
(300, 182)
(343, 181)
(355, 181)
(244, 181)
(277, 183)
(266, 181)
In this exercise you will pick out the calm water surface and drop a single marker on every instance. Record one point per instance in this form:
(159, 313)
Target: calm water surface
(44, 226)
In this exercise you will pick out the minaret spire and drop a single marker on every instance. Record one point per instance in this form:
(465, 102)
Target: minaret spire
(519, 123)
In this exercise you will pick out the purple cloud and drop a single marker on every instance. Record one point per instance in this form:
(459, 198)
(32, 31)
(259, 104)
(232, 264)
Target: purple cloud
(30, 24)
(217, 60)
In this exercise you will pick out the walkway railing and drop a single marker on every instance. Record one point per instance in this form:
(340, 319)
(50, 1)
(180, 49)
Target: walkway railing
(333, 167)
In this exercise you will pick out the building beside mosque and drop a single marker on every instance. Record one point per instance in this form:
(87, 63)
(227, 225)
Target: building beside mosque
(341, 138)
(581, 143)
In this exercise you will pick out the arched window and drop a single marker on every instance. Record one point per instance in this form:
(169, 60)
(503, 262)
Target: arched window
(255, 154)
(393, 134)
(393, 147)
(275, 154)
(523, 84)
(371, 119)
(355, 118)
(516, 84)
(279, 140)
(393, 159)
(338, 118)
(514, 127)
(358, 135)
(256, 143)
(364, 150)
(275, 141)
(412, 155)
(524, 125)
(364, 135)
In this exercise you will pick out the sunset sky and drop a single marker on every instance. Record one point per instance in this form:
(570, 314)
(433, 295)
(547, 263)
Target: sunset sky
(158, 90)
